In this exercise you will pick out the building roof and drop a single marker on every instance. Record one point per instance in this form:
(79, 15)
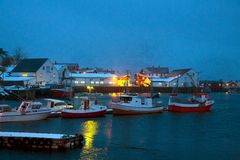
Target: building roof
(18, 78)
(169, 79)
(29, 65)
(59, 66)
(178, 72)
(92, 75)
(157, 70)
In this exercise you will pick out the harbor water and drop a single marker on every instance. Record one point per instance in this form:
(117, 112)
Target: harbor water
(164, 136)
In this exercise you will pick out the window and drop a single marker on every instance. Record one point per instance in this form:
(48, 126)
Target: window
(43, 67)
(24, 75)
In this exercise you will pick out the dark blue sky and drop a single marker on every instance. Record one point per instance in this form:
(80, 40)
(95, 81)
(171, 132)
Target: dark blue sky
(128, 34)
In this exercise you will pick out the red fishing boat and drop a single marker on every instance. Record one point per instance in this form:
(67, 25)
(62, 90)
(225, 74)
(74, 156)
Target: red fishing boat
(199, 102)
(88, 108)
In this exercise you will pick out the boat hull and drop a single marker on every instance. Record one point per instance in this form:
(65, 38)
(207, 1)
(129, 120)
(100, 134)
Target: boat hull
(18, 117)
(69, 114)
(123, 110)
(174, 108)
(58, 93)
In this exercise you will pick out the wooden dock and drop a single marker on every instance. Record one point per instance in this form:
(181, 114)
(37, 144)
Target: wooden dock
(39, 141)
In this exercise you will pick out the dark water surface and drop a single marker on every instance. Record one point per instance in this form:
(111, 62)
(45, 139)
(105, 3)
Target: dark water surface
(212, 135)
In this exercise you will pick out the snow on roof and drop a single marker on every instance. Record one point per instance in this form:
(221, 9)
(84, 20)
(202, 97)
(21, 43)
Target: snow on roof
(91, 75)
(33, 135)
(18, 78)
(59, 66)
(169, 79)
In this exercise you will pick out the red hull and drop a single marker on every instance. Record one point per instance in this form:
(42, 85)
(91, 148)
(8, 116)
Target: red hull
(189, 109)
(60, 94)
(82, 115)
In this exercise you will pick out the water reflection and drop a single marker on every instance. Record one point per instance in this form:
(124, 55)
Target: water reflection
(89, 129)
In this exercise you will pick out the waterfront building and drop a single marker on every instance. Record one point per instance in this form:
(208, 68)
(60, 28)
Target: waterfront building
(156, 72)
(179, 77)
(92, 79)
(36, 71)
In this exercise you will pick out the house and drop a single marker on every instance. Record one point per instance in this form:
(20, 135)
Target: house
(63, 71)
(72, 67)
(180, 78)
(156, 72)
(36, 71)
(92, 79)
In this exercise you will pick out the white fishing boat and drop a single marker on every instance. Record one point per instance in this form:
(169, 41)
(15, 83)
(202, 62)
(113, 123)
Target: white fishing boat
(133, 104)
(27, 111)
(88, 108)
(57, 106)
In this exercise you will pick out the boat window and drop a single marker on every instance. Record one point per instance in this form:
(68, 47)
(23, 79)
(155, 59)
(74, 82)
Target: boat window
(61, 104)
(5, 109)
(36, 106)
(126, 99)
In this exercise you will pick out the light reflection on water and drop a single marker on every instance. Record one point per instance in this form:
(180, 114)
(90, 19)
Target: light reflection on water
(89, 129)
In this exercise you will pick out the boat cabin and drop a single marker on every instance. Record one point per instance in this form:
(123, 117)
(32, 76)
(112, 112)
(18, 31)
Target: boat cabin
(136, 100)
(27, 106)
(87, 102)
(56, 103)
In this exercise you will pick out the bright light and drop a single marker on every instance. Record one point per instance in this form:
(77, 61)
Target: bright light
(24, 75)
(76, 82)
(97, 82)
(113, 95)
(114, 78)
(101, 82)
(92, 82)
(82, 82)
(90, 87)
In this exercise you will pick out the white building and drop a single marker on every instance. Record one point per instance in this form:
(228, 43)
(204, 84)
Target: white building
(63, 72)
(92, 79)
(38, 71)
(180, 78)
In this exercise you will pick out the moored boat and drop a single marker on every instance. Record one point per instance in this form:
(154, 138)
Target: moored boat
(57, 106)
(27, 111)
(133, 105)
(88, 108)
(199, 102)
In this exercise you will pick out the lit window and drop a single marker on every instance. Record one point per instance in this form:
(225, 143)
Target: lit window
(82, 82)
(92, 82)
(101, 82)
(24, 75)
(41, 75)
(76, 82)
(97, 82)
(34, 75)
